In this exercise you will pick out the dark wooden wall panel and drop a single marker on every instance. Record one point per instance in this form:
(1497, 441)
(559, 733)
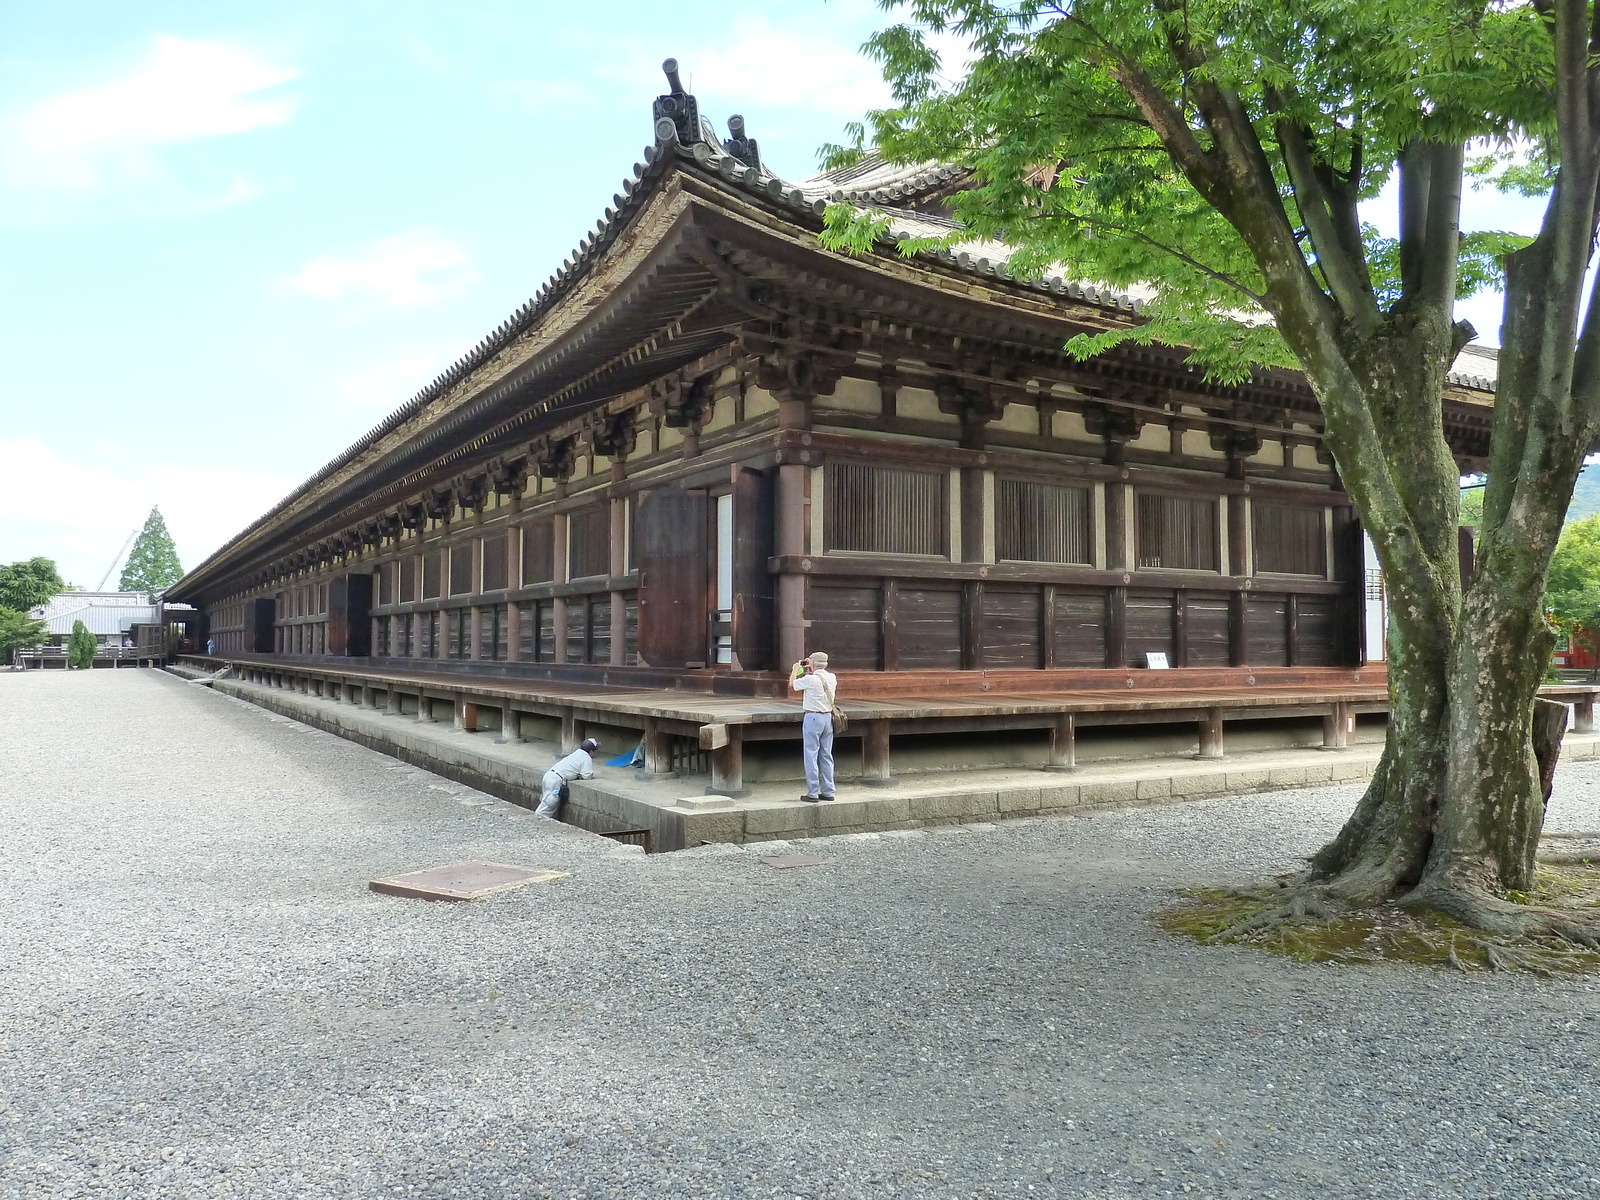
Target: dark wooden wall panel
(1149, 626)
(1206, 629)
(1010, 616)
(674, 579)
(846, 624)
(1317, 641)
(930, 627)
(1080, 620)
(1266, 622)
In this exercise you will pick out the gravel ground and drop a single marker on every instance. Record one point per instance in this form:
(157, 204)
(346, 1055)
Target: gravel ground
(199, 997)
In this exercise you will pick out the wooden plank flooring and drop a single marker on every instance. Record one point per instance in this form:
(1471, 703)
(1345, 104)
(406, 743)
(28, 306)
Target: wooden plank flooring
(1288, 690)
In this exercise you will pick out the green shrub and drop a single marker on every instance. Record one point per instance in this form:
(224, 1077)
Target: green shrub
(81, 646)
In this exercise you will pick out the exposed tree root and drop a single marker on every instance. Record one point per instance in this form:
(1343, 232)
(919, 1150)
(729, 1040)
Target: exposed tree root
(1555, 929)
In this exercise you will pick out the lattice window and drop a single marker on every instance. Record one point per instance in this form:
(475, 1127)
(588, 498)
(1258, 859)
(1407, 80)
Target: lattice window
(430, 575)
(1039, 522)
(886, 510)
(1289, 540)
(1177, 533)
(589, 541)
(538, 553)
(461, 569)
(494, 562)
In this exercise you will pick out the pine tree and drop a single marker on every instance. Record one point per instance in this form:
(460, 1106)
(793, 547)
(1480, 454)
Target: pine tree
(153, 563)
(81, 646)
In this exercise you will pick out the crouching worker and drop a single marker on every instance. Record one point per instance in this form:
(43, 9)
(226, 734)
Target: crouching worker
(577, 765)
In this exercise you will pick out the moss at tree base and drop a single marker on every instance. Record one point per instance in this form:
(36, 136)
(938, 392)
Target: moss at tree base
(1392, 933)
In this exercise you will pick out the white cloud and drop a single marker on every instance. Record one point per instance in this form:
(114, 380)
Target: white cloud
(389, 383)
(399, 272)
(183, 91)
(805, 67)
(80, 514)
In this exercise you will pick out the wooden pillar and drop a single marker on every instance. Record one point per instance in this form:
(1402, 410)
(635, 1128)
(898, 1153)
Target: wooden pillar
(1337, 726)
(657, 751)
(1119, 555)
(972, 626)
(513, 631)
(619, 568)
(1063, 743)
(875, 763)
(1180, 628)
(569, 731)
(474, 648)
(727, 767)
(1116, 627)
(791, 541)
(1238, 630)
(1291, 632)
(1583, 715)
(1211, 734)
(558, 606)
(1238, 540)
(891, 625)
(1047, 627)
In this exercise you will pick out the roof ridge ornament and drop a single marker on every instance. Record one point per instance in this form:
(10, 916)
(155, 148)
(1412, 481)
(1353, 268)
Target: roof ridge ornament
(677, 115)
(741, 147)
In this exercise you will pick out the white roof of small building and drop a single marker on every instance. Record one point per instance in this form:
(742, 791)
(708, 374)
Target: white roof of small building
(104, 613)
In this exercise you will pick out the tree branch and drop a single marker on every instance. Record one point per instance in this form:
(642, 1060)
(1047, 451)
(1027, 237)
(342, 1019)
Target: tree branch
(1346, 278)
(1442, 233)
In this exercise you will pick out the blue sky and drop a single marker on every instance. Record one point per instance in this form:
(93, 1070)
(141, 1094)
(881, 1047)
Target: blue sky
(233, 237)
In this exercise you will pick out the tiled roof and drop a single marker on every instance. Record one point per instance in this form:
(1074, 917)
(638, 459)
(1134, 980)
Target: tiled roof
(862, 183)
(102, 619)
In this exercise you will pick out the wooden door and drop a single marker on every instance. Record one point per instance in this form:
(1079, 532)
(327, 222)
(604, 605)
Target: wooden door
(263, 622)
(674, 578)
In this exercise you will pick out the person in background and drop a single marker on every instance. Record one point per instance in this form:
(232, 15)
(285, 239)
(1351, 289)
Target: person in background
(211, 646)
(817, 687)
(577, 765)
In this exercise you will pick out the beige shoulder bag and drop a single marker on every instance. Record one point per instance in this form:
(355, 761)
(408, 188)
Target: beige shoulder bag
(840, 721)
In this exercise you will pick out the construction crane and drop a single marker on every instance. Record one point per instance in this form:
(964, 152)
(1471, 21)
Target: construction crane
(116, 560)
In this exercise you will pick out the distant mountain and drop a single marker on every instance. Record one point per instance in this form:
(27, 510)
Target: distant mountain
(1586, 496)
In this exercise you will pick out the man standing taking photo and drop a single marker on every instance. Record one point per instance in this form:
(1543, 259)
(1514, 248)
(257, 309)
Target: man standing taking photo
(817, 687)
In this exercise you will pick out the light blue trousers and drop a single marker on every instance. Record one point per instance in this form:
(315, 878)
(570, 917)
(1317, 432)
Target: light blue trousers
(817, 730)
(550, 795)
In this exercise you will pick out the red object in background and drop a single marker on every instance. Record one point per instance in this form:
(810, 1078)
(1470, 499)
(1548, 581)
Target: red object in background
(1580, 653)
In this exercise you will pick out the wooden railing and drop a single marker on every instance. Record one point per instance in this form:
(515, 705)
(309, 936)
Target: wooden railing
(56, 656)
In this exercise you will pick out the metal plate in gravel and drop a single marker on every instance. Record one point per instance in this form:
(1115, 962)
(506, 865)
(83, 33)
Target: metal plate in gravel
(463, 880)
(784, 861)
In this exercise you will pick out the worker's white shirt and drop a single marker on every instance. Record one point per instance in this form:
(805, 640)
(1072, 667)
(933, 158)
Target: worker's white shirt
(816, 688)
(577, 765)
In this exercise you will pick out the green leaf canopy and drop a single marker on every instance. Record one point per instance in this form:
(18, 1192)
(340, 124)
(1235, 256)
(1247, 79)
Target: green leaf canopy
(153, 562)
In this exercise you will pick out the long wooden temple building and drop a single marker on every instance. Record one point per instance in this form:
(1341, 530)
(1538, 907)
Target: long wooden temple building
(709, 445)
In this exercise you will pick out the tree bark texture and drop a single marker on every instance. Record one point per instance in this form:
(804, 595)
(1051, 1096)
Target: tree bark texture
(1454, 811)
